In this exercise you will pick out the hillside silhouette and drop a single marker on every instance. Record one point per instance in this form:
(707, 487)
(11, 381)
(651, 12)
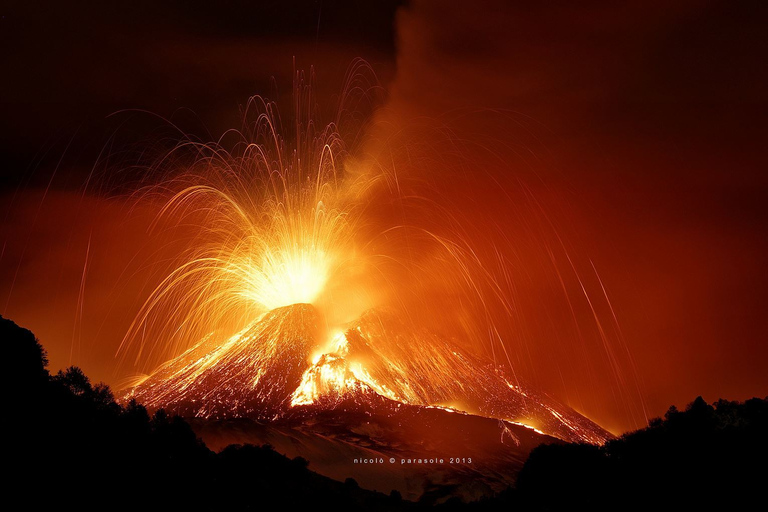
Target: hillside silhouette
(706, 457)
(70, 445)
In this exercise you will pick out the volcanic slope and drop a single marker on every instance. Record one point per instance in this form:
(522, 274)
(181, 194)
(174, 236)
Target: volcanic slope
(282, 367)
(250, 375)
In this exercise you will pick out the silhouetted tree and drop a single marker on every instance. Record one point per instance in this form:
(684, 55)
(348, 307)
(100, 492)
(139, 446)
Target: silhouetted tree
(27, 357)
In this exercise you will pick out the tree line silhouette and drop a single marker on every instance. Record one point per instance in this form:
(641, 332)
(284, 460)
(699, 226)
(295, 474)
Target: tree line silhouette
(706, 457)
(69, 444)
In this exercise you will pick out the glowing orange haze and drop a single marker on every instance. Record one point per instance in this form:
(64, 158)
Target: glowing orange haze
(279, 224)
(586, 213)
(239, 232)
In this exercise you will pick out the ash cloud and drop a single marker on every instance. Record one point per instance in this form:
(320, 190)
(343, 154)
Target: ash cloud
(637, 128)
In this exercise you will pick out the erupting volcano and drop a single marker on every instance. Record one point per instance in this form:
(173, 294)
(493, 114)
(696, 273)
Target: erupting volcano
(310, 298)
(384, 255)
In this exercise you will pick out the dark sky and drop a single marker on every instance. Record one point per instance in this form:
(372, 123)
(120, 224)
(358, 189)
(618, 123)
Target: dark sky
(69, 65)
(641, 128)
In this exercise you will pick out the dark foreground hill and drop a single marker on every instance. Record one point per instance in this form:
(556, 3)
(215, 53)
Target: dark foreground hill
(707, 457)
(70, 446)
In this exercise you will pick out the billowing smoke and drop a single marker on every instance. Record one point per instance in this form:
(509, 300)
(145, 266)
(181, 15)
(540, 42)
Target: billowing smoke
(572, 192)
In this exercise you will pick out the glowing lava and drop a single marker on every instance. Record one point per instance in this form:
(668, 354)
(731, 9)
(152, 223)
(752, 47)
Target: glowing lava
(273, 227)
(284, 279)
(267, 372)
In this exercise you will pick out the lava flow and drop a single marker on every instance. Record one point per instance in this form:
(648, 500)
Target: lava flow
(283, 307)
(267, 372)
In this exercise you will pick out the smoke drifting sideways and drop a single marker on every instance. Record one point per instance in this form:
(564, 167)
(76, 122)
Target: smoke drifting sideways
(558, 153)
(629, 137)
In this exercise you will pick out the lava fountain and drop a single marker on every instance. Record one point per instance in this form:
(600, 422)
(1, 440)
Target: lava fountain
(286, 301)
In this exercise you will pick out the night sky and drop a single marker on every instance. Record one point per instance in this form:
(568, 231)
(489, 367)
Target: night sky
(640, 129)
